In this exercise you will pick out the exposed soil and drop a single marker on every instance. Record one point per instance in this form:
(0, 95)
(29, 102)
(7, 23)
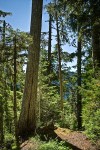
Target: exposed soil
(26, 145)
(75, 139)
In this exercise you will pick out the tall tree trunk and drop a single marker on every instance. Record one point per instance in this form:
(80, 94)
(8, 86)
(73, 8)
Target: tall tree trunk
(49, 44)
(79, 97)
(2, 89)
(96, 45)
(15, 100)
(59, 60)
(27, 120)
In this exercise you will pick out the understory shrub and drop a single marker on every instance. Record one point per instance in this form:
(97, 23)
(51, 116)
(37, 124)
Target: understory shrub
(53, 145)
(50, 145)
(69, 118)
(91, 109)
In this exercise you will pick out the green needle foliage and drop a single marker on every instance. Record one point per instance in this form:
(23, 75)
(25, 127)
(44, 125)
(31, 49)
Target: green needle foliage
(91, 107)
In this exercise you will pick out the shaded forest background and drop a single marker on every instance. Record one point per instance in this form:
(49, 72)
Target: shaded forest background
(52, 91)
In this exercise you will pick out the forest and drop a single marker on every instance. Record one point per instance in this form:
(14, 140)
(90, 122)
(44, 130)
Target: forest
(46, 103)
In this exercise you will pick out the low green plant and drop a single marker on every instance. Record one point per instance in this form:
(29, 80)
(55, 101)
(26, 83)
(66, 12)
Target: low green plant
(9, 137)
(91, 108)
(53, 145)
(69, 117)
(36, 142)
(47, 145)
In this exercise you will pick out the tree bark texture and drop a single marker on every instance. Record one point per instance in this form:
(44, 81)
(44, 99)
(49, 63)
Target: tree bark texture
(96, 45)
(49, 44)
(14, 89)
(2, 88)
(27, 120)
(79, 98)
(59, 60)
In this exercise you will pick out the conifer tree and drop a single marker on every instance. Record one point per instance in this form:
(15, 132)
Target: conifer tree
(27, 120)
(49, 43)
(59, 60)
(79, 78)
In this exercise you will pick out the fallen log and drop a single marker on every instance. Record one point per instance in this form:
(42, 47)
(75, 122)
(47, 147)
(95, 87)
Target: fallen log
(77, 140)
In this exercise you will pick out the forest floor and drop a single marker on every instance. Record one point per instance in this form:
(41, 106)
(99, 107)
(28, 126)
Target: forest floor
(75, 139)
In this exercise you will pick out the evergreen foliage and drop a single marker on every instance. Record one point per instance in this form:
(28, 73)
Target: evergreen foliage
(67, 17)
(50, 145)
(91, 111)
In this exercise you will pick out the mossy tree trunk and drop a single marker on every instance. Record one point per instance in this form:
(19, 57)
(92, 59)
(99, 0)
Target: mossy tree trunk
(27, 120)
